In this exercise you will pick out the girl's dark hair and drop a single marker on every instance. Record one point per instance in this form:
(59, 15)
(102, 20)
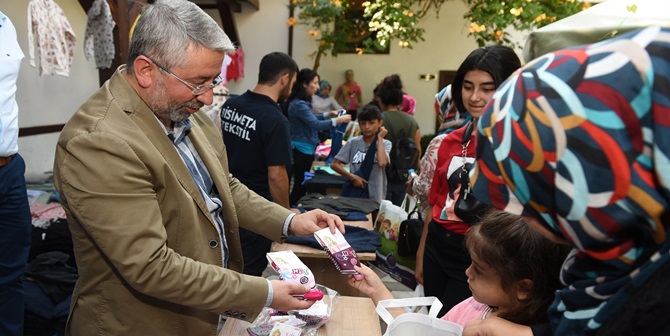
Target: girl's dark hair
(513, 249)
(390, 90)
(298, 90)
(496, 60)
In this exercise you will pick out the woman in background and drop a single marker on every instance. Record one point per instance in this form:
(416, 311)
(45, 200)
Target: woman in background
(399, 124)
(323, 103)
(304, 126)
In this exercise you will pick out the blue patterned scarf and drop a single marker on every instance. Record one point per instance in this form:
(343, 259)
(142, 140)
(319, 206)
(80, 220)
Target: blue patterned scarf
(580, 140)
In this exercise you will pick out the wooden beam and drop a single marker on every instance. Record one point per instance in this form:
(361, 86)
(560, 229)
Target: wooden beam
(86, 4)
(290, 31)
(26, 131)
(254, 3)
(233, 4)
(228, 21)
(123, 17)
(121, 33)
(208, 6)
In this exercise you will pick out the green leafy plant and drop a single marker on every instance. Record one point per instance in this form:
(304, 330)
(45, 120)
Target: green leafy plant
(362, 26)
(491, 21)
(358, 26)
(392, 20)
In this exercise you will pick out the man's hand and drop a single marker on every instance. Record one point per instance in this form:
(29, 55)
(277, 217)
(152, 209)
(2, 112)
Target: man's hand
(309, 222)
(283, 299)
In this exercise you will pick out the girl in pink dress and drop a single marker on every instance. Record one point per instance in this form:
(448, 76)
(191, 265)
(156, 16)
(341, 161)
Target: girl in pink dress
(513, 275)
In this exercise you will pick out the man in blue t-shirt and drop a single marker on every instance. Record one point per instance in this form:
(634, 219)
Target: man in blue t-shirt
(256, 134)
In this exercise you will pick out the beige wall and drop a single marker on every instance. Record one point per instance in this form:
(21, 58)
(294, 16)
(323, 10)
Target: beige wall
(48, 100)
(445, 47)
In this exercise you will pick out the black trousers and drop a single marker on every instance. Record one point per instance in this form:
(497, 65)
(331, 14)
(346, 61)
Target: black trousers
(254, 248)
(301, 163)
(395, 192)
(445, 260)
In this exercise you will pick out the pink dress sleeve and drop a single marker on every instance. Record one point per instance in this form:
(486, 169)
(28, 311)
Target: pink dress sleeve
(466, 311)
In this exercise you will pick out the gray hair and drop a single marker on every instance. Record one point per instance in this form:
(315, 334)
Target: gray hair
(168, 27)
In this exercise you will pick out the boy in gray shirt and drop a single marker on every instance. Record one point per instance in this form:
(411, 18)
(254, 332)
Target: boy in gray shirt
(354, 151)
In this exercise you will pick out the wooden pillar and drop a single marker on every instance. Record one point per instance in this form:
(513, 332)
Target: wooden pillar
(226, 9)
(125, 12)
(291, 12)
(124, 15)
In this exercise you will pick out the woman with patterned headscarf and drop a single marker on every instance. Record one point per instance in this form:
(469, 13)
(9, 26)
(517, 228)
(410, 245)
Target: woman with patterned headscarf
(579, 142)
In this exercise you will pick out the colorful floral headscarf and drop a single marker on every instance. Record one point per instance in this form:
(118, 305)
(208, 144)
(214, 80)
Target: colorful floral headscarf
(445, 108)
(580, 140)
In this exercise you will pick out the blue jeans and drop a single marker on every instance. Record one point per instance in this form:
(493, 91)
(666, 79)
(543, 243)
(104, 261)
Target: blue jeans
(15, 229)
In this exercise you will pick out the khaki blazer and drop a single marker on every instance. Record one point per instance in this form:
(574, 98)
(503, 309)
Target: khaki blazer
(148, 253)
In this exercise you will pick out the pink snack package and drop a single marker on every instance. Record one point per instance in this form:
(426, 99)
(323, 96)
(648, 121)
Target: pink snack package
(291, 269)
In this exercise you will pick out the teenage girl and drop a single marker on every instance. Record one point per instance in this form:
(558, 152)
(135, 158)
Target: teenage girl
(442, 259)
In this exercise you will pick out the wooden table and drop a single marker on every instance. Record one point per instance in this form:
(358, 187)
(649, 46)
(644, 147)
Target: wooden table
(324, 271)
(353, 316)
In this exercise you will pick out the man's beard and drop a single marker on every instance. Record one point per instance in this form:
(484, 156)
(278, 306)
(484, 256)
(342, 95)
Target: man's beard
(285, 92)
(162, 105)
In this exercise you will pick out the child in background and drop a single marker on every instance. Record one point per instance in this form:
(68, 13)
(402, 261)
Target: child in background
(513, 275)
(354, 152)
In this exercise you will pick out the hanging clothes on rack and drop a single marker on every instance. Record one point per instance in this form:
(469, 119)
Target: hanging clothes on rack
(231, 72)
(99, 38)
(240, 62)
(51, 34)
(224, 68)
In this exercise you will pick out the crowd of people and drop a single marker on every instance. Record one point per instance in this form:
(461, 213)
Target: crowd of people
(573, 149)
(567, 157)
(565, 251)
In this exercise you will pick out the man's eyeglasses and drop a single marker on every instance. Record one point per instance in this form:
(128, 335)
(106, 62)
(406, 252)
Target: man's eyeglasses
(197, 90)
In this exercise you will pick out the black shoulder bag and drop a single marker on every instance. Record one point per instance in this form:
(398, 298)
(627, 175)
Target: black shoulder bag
(409, 234)
(468, 207)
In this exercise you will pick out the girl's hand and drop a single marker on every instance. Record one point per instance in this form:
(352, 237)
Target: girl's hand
(370, 285)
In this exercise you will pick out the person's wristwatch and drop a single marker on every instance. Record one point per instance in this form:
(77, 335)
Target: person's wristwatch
(289, 232)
